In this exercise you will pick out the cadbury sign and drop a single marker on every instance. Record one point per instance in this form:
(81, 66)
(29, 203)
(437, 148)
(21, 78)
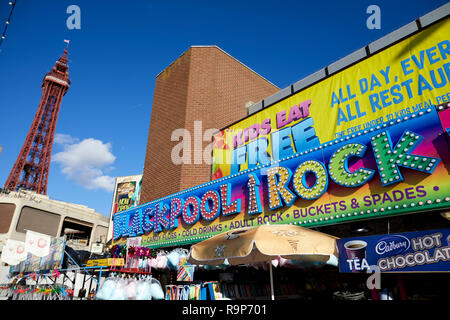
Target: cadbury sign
(405, 252)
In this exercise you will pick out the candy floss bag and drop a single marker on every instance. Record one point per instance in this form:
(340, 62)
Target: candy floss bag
(156, 290)
(161, 260)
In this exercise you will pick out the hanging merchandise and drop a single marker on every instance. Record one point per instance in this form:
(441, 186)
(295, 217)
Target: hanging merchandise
(214, 290)
(118, 251)
(5, 291)
(210, 290)
(106, 290)
(171, 292)
(145, 256)
(243, 291)
(183, 292)
(136, 288)
(45, 292)
(185, 270)
(55, 274)
(143, 259)
(160, 262)
(132, 259)
(172, 259)
(143, 290)
(156, 290)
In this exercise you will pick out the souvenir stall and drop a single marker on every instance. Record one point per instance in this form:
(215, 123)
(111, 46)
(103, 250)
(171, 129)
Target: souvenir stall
(266, 244)
(182, 278)
(138, 277)
(21, 289)
(44, 268)
(156, 274)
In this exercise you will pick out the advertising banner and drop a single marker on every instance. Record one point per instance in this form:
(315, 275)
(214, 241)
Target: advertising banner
(402, 252)
(51, 261)
(394, 83)
(123, 199)
(393, 168)
(37, 244)
(109, 262)
(126, 195)
(13, 252)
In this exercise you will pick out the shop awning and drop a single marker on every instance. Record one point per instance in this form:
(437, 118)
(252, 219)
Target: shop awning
(265, 243)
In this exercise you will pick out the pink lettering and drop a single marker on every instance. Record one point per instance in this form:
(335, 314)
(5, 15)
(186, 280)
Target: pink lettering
(253, 131)
(294, 114)
(266, 127)
(304, 106)
(281, 119)
(237, 141)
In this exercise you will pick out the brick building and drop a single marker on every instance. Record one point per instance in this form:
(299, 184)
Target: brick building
(204, 84)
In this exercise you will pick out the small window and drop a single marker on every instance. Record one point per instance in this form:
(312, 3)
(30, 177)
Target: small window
(6, 215)
(100, 234)
(38, 220)
(78, 232)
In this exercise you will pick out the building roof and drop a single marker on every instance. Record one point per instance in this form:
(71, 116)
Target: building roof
(214, 46)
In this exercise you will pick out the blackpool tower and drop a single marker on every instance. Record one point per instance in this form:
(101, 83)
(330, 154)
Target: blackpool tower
(30, 171)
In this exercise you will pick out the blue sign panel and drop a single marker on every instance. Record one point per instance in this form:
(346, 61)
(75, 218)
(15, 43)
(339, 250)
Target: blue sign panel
(402, 252)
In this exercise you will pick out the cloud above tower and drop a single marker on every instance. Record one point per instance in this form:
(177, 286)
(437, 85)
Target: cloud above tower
(85, 161)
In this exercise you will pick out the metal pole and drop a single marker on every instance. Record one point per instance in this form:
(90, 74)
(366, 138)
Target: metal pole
(64, 250)
(74, 281)
(90, 287)
(99, 277)
(271, 280)
(84, 282)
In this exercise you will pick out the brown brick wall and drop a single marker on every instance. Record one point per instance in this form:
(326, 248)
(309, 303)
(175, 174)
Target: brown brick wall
(160, 175)
(204, 84)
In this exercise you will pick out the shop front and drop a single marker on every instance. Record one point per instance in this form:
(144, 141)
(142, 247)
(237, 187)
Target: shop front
(364, 152)
(343, 193)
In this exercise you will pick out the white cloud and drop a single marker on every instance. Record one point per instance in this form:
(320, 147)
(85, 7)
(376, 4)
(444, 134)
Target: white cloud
(86, 161)
(62, 138)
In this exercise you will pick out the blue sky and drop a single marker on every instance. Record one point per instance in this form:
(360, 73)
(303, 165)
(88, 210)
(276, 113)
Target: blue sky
(103, 124)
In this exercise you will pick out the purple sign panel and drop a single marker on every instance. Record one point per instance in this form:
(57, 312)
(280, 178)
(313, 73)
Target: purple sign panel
(401, 252)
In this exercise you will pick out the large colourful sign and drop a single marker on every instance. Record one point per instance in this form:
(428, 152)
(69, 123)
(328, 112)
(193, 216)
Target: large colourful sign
(409, 76)
(395, 167)
(124, 197)
(400, 252)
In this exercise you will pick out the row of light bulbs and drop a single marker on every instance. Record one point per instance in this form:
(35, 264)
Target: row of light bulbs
(314, 220)
(12, 4)
(275, 162)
